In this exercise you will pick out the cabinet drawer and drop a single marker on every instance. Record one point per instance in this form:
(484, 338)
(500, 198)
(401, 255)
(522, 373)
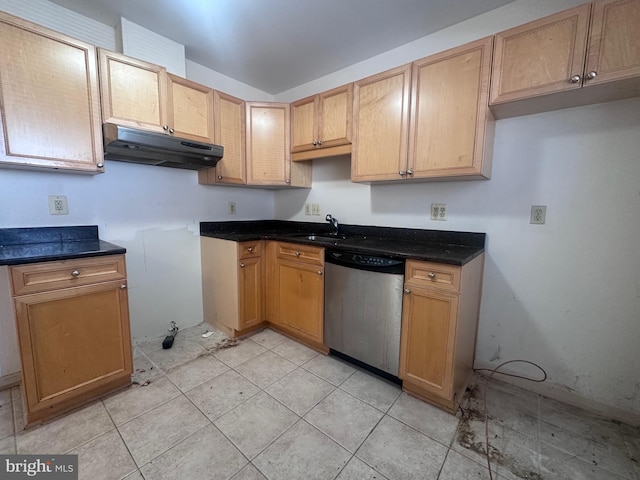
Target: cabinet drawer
(434, 275)
(250, 249)
(301, 253)
(42, 277)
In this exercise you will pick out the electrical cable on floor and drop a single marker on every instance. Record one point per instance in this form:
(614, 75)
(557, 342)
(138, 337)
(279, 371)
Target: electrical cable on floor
(486, 410)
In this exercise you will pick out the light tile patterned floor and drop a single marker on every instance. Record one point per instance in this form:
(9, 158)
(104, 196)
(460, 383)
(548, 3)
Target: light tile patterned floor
(271, 408)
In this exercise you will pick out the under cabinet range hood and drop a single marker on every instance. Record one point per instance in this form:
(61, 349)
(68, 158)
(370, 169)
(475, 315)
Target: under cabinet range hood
(132, 145)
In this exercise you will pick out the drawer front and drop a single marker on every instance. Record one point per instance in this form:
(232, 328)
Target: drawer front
(42, 277)
(250, 249)
(433, 275)
(301, 253)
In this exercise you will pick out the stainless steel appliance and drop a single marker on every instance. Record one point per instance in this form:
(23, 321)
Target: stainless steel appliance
(139, 146)
(363, 308)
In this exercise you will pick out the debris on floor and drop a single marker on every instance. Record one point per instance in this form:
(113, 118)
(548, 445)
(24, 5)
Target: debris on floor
(471, 435)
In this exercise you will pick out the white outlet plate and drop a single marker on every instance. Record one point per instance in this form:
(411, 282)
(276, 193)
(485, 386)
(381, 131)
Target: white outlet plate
(232, 208)
(58, 205)
(439, 212)
(538, 214)
(307, 208)
(315, 209)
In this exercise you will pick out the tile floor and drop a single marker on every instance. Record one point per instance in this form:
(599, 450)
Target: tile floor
(269, 407)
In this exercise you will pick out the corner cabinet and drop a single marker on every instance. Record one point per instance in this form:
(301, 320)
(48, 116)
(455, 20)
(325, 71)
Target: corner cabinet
(49, 100)
(321, 124)
(268, 152)
(143, 95)
(73, 330)
(295, 291)
(230, 125)
(233, 284)
(584, 55)
(439, 324)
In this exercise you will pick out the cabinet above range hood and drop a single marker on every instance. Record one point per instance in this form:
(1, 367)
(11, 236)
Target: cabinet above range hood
(131, 145)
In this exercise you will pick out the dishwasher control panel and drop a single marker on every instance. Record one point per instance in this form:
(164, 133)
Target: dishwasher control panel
(365, 262)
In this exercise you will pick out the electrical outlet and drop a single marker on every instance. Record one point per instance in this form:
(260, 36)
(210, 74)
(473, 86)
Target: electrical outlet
(58, 205)
(439, 211)
(315, 209)
(232, 208)
(538, 214)
(307, 208)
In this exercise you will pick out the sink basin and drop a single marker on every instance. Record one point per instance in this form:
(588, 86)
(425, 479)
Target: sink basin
(325, 238)
(320, 238)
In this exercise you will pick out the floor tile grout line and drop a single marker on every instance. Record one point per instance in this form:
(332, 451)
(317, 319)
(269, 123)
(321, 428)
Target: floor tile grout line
(123, 441)
(539, 436)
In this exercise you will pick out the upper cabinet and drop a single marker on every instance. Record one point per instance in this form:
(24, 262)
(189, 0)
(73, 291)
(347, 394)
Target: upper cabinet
(321, 124)
(49, 100)
(381, 126)
(544, 65)
(268, 152)
(190, 109)
(134, 93)
(229, 121)
(614, 42)
(447, 131)
(143, 95)
(450, 131)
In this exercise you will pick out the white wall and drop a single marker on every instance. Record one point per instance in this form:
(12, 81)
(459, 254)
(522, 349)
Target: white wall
(154, 212)
(566, 294)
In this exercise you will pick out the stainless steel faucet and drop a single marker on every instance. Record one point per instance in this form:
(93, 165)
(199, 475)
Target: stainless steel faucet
(334, 223)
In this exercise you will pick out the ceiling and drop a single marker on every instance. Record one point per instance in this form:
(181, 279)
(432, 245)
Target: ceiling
(275, 45)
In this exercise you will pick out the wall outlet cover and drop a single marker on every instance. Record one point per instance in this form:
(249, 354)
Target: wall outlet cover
(58, 205)
(232, 208)
(315, 209)
(307, 208)
(538, 214)
(439, 212)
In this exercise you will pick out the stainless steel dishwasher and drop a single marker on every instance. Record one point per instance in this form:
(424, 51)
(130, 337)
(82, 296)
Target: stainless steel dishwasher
(363, 308)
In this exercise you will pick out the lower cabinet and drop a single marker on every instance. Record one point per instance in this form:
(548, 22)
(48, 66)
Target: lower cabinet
(439, 325)
(233, 284)
(73, 331)
(296, 291)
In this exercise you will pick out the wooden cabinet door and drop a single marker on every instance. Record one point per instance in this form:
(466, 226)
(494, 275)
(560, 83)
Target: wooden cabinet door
(268, 152)
(300, 293)
(190, 109)
(427, 340)
(251, 293)
(304, 124)
(540, 57)
(380, 126)
(449, 112)
(74, 343)
(230, 125)
(614, 41)
(335, 109)
(134, 93)
(49, 99)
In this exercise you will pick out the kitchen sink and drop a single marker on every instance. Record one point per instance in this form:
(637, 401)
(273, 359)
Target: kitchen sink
(320, 238)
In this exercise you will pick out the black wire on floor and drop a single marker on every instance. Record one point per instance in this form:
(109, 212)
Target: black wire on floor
(486, 410)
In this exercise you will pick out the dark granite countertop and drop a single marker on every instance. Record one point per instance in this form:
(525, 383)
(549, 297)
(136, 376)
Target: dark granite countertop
(46, 244)
(455, 248)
